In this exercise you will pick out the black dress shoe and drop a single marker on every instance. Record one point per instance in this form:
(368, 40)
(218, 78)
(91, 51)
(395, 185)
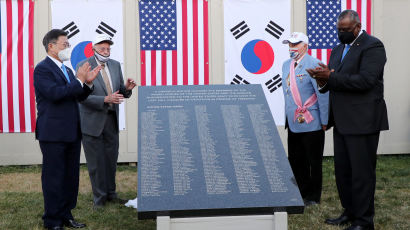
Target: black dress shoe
(56, 228)
(341, 220)
(73, 224)
(357, 227)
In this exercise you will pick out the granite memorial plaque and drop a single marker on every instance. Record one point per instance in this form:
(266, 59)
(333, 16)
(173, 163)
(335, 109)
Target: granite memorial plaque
(211, 150)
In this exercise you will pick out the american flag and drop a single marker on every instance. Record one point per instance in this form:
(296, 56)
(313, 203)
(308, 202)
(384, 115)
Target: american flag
(17, 106)
(174, 42)
(321, 17)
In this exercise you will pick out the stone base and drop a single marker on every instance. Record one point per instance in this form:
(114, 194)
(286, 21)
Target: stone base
(278, 221)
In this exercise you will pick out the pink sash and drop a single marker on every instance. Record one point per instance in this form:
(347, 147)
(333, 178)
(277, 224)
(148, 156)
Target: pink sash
(301, 110)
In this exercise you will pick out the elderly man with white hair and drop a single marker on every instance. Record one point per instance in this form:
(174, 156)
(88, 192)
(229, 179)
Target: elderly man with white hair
(99, 121)
(306, 118)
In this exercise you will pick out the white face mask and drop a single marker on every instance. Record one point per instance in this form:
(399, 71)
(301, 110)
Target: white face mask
(64, 54)
(101, 58)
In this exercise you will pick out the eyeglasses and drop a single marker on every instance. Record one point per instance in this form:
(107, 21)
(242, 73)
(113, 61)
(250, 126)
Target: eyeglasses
(65, 44)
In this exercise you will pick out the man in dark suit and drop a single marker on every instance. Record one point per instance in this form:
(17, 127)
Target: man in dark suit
(58, 128)
(99, 121)
(358, 113)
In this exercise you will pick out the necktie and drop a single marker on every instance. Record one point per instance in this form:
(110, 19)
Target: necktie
(106, 80)
(347, 47)
(65, 72)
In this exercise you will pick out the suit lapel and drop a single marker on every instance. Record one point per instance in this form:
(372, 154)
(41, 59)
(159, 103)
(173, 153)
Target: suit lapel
(352, 50)
(300, 66)
(335, 61)
(56, 69)
(70, 74)
(112, 75)
(100, 79)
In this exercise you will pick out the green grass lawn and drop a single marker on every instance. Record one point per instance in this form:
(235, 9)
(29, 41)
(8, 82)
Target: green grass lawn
(21, 200)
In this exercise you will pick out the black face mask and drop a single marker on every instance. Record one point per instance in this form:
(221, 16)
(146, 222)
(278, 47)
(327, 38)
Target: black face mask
(346, 37)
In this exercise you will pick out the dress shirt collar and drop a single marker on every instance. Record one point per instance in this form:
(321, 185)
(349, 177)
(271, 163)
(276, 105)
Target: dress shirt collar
(360, 33)
(58, 63)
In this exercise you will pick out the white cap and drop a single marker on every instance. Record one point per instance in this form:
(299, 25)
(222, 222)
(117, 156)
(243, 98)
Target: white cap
(297, 37)
(102, 38)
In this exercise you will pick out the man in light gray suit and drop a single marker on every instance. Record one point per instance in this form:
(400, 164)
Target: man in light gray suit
(99, 121)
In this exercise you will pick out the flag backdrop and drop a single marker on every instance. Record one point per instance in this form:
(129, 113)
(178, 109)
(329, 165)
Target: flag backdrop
(174, 42)
(321, 17)
(254, 53)
(17, 100)
(90, 18)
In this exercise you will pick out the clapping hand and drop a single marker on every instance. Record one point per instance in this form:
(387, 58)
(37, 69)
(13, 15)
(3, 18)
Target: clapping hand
(321, 73)
(114, 98)
(86, 75)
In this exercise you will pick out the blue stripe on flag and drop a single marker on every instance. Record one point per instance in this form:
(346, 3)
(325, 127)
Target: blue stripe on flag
(321, 23)
(158, 24)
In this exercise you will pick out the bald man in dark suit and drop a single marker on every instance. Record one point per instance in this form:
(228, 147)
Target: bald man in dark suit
(354, 80)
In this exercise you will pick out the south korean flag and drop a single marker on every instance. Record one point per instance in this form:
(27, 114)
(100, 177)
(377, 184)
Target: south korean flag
(90, 18)
(254, 53)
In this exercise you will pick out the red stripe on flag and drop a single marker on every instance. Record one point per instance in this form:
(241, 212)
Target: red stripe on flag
(310, 52)
(10, 66)
(329, 51)
(348, 4)
(20, 54)
(369, 17)
(31, 64)
(153, 67)
(184, 42)
(164, 67)
(195, 37)
(143, 71)
(319, 54)
(359, 8)
(174, 67)
(206, 43)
